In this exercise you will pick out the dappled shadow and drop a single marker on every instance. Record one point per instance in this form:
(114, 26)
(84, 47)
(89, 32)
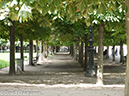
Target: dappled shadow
(63, 69)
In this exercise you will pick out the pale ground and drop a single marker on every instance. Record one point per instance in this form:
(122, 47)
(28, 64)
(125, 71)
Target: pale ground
(62, 76)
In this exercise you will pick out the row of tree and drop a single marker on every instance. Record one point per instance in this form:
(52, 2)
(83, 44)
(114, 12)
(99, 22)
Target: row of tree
(70, 20)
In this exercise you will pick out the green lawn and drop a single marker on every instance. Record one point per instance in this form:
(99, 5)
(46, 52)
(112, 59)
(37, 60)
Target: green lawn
(5, 58)
(4, 63)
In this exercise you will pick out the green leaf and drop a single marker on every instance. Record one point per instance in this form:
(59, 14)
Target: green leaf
(86, 13)
(57, 3)
(95, 2)
(81, 7)
(109, 9)
(113, 6)
(87, 21)
(52, 8)
(44, 10)
(24, 15)
(49, 1)
(103, 8)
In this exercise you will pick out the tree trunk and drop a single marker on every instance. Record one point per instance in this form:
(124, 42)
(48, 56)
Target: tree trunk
(75, 52)
(71, 48)
(107, 54)
(22, 55)
(47, 49)
(53, 48)
(121, 51)
(12, 48)
(41, 46)
(36, 48)
(86, 51)
(79, 51)
(81, 55)
(41, 51)
(44, 51)
(100, 55)
(113, 53)
(126, 92)
(31, 52)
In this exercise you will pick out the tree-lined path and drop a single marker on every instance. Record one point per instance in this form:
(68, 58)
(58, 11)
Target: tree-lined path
(61, 68)
(61, 75)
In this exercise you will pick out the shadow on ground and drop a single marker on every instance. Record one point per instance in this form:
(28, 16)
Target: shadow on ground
(63, 69)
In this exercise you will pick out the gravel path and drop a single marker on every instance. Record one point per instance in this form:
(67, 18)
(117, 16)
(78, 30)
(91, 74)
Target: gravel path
(60, 75)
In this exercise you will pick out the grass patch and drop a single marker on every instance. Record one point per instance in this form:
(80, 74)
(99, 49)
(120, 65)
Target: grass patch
(4, 64)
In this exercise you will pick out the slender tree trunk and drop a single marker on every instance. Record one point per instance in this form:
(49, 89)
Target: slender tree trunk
(47, 49)
(53, 48)
(81, 54)
(121, 51)
(113, 55)
(126, 92)
(107, 54)
(100, 55)
(36, 48)
(71, 47)
(12, 48)
(22, 55)
(57, 48)
(41, 51)
(31, 52)
(86, 51)
(37, 55)
(70, 50)
(41, 46)
(44, 51)
(75, 52)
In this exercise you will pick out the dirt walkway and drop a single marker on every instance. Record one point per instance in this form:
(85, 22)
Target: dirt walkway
(68, 79)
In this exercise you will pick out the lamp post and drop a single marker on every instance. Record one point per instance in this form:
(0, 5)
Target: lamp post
(90, 68)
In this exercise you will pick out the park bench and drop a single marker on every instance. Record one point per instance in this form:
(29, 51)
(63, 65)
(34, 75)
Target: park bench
(35, 59)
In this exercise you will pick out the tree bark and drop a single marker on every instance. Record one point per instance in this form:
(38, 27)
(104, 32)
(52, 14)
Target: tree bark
(126, 91)
(31, 52)
(47, 49)
(44, 51)
(100, 55)
(86, 51)
(121, 51)
(22, 55)
(113, 53)
(79, 51)
(81, 54)
(72, 54)
(12, 48)
(107, 54)
(75, 52)
(41, 46)
(53, 48)
(70, 50)
(36, 48)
